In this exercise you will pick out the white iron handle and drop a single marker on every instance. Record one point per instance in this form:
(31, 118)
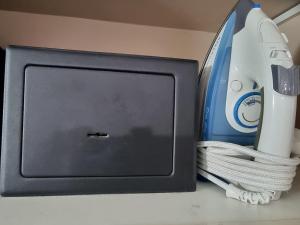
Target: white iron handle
(279, 110)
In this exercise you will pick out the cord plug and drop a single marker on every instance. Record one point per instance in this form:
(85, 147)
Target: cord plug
(253, 198)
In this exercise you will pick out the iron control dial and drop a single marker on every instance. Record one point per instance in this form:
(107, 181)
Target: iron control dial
(247, 110)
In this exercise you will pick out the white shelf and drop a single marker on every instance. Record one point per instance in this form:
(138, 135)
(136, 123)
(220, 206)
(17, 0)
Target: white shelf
(208, 205)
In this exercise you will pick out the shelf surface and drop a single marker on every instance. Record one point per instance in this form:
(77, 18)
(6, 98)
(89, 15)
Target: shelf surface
(208, 205)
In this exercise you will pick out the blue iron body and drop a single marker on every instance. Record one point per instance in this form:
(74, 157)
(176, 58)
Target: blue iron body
(215, 125)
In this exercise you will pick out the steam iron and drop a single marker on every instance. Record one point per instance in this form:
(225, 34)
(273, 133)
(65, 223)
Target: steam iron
(249, 87)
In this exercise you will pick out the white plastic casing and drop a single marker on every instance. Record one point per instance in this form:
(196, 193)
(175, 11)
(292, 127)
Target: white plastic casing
(255, 48)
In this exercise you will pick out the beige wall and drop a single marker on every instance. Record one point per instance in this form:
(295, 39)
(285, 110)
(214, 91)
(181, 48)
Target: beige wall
(183, 14)
(292, 29)
(92, 35)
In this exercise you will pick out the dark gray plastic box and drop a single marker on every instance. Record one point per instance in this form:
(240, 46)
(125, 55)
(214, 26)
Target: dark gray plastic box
(81, 123)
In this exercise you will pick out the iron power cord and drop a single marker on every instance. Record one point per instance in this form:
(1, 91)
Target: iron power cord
(254, 182)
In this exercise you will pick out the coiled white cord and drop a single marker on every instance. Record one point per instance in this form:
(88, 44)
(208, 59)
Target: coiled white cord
(254, 182)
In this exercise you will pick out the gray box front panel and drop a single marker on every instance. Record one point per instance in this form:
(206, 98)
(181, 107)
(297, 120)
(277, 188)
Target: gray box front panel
(81, 123)
(63, 107)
